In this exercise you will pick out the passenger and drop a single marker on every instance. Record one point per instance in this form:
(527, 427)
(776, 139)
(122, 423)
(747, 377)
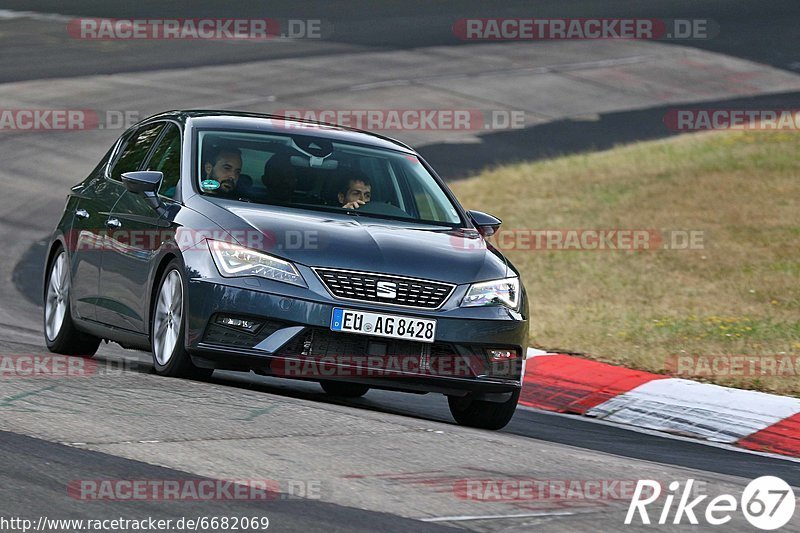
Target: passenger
(355, 191)
(280, 178)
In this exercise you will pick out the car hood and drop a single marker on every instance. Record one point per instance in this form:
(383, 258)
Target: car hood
(333, 240)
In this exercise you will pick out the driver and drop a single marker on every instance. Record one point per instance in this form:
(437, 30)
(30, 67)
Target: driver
(225, 167)
(355, 191)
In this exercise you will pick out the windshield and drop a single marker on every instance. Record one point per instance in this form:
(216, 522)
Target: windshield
(310, 172)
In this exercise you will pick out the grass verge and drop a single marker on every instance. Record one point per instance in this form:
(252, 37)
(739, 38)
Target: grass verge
(735, 294)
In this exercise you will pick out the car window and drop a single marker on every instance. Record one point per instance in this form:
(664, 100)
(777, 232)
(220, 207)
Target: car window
(431, 203)
(135, 150)
(309, 172)
(167, 159)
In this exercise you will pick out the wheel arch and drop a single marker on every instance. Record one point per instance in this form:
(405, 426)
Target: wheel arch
(55, 246)
(165, 260)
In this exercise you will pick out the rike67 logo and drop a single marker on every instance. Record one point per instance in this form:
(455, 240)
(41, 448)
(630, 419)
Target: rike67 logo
(767, 503)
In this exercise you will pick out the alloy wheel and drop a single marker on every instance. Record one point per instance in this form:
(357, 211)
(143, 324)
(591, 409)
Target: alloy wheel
(168, 317)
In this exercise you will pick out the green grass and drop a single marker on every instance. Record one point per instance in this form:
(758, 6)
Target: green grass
(738, 295)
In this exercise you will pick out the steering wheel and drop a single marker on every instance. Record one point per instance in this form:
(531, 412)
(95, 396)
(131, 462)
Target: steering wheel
(382, 208)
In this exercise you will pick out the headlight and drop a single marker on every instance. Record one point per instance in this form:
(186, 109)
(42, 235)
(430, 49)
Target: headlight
(235, 261)
(498, 292)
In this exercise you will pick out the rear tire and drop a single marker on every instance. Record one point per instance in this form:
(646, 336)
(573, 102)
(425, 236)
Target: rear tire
(60, 333)
(345, 390)
(168, 327)
(480, 413)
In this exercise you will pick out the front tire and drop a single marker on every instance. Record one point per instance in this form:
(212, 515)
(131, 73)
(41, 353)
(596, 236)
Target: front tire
(345, 390)
(480, 413)
(168, 328)
(60, 333)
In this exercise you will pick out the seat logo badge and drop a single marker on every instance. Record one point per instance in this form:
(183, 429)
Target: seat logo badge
(386, 289)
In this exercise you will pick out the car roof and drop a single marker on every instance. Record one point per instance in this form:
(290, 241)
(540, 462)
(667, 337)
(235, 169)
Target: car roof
(219, 119)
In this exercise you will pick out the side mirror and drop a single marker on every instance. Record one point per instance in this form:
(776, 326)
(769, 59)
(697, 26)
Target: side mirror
(487, 224)
(142, 181)
(145, 182)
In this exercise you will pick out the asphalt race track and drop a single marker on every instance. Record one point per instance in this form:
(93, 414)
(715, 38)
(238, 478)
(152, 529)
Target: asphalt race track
(387, 461)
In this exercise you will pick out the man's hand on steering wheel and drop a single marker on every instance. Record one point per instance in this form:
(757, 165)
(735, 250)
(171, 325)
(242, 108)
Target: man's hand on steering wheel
(354, 205)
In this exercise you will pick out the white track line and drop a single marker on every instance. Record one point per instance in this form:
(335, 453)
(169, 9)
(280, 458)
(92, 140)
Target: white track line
(535, 352)
(713, 412)
(463, 518)
(10, 14)
(655, 433)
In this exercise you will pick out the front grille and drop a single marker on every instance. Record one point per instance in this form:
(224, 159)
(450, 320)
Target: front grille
(363, 286)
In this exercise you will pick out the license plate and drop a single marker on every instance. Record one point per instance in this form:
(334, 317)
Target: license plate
(380, 325)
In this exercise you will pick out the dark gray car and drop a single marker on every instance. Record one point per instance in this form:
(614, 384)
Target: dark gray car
(221, 240)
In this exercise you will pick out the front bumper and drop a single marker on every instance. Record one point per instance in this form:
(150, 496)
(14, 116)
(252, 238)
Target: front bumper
(294, 339)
